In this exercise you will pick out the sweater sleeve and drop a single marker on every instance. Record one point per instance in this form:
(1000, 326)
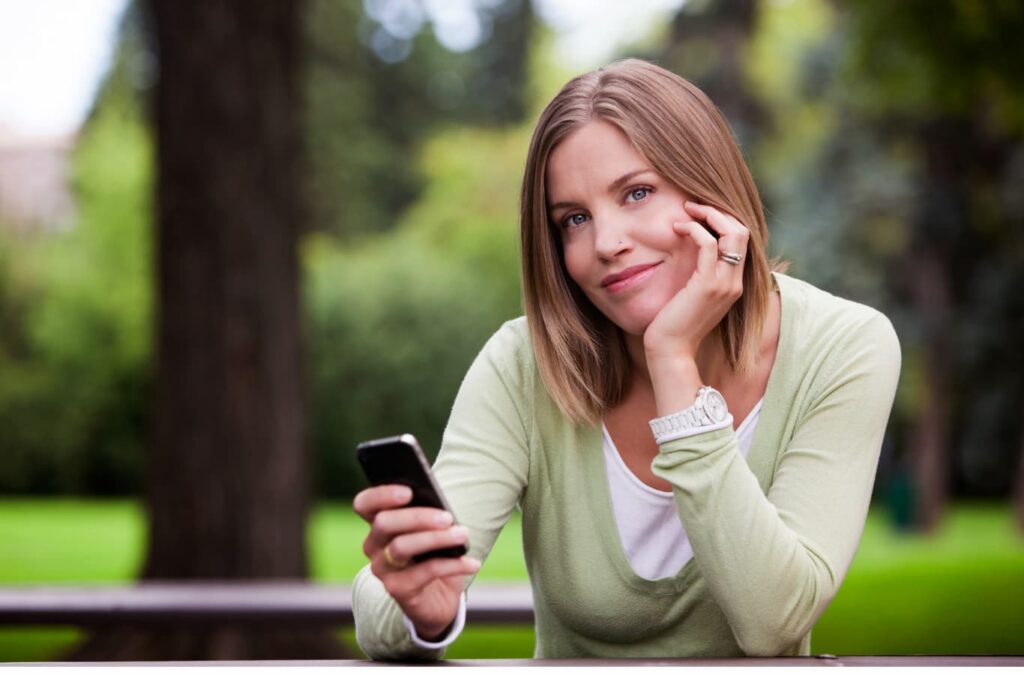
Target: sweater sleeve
(482, 468)
(773, 562)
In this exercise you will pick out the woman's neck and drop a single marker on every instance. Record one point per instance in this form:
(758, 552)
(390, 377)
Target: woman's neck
(711, 362)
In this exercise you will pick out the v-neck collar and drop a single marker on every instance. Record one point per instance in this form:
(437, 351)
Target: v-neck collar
(596, 476)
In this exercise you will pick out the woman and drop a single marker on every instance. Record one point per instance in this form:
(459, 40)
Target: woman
(691, 436)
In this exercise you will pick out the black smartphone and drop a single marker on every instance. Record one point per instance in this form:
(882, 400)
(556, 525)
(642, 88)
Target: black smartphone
(398, 460)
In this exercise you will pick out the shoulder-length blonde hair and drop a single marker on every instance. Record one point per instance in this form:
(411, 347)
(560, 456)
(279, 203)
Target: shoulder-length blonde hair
(580, 353)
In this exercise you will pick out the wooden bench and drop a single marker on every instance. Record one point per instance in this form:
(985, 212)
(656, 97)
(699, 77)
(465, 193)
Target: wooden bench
(226, 602)
(325, 604)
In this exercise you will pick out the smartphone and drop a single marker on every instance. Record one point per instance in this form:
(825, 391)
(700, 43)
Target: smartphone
(398, 460)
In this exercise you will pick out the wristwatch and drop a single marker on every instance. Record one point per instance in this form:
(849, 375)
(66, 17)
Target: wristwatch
(708, 412)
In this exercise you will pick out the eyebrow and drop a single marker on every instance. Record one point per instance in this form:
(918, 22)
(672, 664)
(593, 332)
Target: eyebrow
(614, 186)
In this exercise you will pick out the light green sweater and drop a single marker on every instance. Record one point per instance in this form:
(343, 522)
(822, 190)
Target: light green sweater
(773, 534)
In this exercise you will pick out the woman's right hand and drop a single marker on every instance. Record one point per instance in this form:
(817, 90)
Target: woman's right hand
(428, 592)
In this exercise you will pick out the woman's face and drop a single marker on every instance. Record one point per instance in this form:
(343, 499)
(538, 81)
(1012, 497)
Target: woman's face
(616, 214)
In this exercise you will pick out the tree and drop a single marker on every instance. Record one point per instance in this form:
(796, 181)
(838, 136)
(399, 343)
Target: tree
(1019, 485)
(707, 44)
(946, 80)
(905, 126)
(228, 473)
(378, 84)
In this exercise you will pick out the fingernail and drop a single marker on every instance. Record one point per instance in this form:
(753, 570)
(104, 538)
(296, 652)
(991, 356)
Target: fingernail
(402, 493)
(443, 518)
(460, 533)
(474, 564)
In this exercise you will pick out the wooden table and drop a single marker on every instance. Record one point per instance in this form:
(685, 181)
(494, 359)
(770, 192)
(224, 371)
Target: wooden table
(811, 661)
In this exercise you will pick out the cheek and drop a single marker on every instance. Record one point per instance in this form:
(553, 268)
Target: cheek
(680, 268)
(575, 263)
(684, 255)
(684, 269)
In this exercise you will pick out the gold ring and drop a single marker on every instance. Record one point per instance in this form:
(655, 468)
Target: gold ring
(391, 561)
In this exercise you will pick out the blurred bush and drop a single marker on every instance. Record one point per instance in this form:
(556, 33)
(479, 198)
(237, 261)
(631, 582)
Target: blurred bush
(76, 305)
(378, 83)
(395, 321)
(412, 264)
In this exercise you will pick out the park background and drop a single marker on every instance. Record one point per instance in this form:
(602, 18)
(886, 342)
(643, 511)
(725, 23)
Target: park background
(887, 140)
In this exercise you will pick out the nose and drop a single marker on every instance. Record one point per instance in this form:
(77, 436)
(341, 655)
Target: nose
(612, 238)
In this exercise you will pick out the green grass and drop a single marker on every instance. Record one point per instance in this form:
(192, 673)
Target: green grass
(957, 592)
(960, 591)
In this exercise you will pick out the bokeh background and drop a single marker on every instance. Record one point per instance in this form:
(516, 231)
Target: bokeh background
(887, 140)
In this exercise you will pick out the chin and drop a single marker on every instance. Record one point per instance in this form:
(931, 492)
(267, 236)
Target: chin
(633, 318)
(635, 324)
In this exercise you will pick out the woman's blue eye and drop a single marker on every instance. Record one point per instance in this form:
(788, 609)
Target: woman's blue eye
(636, 194)
(575, 219)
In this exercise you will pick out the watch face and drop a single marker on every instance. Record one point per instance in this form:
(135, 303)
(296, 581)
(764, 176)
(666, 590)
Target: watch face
(715, 407)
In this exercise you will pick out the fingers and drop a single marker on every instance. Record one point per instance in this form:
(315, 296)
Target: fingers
(722, 223)
(404, 548)
(732, 238)
(707, 246)
(371, 501)
(732, 235)
(388, 524)
(398, 533)
(406, 583)
(382, 506)
(722, 279)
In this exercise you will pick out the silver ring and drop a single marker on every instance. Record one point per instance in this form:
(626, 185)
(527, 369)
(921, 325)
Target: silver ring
(731, 258)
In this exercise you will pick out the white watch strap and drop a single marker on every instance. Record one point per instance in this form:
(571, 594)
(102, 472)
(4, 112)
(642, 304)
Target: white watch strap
(691, 431)
(688, 422)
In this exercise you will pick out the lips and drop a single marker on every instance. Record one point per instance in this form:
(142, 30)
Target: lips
(627, 277)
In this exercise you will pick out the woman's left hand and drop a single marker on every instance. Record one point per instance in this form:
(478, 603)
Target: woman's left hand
(684, 322)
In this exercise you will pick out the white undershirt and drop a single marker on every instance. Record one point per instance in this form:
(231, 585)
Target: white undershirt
(649, 528)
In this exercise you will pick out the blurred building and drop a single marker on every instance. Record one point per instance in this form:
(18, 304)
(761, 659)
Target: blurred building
(35, 191)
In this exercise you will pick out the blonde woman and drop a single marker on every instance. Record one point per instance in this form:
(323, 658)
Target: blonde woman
(691, 436)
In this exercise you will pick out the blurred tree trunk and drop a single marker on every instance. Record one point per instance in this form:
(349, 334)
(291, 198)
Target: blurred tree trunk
(228, 487)
(929, 441)
(955, 154)
(1018, 488)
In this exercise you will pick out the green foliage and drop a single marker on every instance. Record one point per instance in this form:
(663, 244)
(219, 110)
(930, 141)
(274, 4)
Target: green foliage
(393, 320)
(940, 87)
(366, 118)
(396, 321)
(73, 400)
(361, 175)
(926, 58)
(415, 262)
(897, 141)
